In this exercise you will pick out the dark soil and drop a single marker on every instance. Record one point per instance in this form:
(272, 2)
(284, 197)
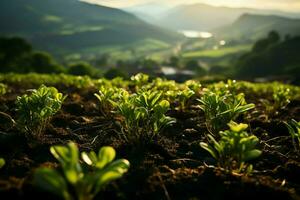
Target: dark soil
(174, 166)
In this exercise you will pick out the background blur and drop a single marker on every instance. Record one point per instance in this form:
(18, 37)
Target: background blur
(257, 40)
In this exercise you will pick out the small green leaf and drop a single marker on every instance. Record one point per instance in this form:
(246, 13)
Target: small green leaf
(69, 159)
(89, 158)
(165, 105)
(105, 156)
(237, 127)
(52, 181)
(209, 149)
(60, 153)
(113, 171)
(252, 154)
(86, 158)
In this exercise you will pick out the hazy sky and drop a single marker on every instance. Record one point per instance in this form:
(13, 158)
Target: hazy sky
(289, 5)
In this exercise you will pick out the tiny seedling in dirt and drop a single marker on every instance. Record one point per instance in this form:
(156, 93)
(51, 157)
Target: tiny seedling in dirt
(35, 111)
(220, 109)
(182, 97)
(294, 131)
(142, 116)
(280, 99)
(139, 80)
(193, 85)
(3, 89)
(234, 149)
(162, 85)
(106, 96)
(80, 180)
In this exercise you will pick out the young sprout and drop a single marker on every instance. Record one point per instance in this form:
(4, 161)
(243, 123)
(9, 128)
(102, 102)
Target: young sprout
(183, 98)
(35, 110)
(220, 109)
(139, 80)
(294, 131)
(76, 180)
(2, 162)
(106, 97)
(3, 89)
(280, 99)
(143, 116)
(223, 88)
(234, 149)
(162, 85)
(281, 96)
(195, 86)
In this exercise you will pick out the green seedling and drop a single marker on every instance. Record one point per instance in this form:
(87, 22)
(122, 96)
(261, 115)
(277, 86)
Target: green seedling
(35, 110)
(281, 96)
(220, 109)
(2, 162)
(184, 97)
(106, 97)
(80, 180)
(3, 89)
(224, 88)
(139, 80)
(159, 84)
(294, 131)
(234, 149)
(143, 116)
(193, 85)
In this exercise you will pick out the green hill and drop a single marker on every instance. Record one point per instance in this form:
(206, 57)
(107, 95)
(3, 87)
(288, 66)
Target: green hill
(71, 25)
(271, 57)
(250, 26)
(203, 17)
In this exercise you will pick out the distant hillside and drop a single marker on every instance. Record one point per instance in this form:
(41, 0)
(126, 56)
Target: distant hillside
(149, 12)
(256, 26)
(271, 57)
(205, 17)
(70, 25)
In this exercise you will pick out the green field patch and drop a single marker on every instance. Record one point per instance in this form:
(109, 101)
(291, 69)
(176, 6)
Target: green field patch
(52, 18)
(218, 52)
(73, 30)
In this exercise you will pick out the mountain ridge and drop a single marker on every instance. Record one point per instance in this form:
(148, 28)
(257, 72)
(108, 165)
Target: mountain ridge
(67, 25)
(204, 17)
(253, 26)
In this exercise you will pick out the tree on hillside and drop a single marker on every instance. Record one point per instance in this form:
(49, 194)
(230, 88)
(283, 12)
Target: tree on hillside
(194, 66)
(277, 59)
(114, 73)
(12, 50)
(174, 61)
(42, 62)
(264, 43)
(83, 68)
(17, 55)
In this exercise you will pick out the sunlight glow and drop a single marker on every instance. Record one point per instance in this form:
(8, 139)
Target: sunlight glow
(288, 5)
(222, 42)
(196, 34)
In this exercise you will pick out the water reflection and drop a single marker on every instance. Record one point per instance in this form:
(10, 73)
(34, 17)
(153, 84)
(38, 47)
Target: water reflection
(196, 34)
